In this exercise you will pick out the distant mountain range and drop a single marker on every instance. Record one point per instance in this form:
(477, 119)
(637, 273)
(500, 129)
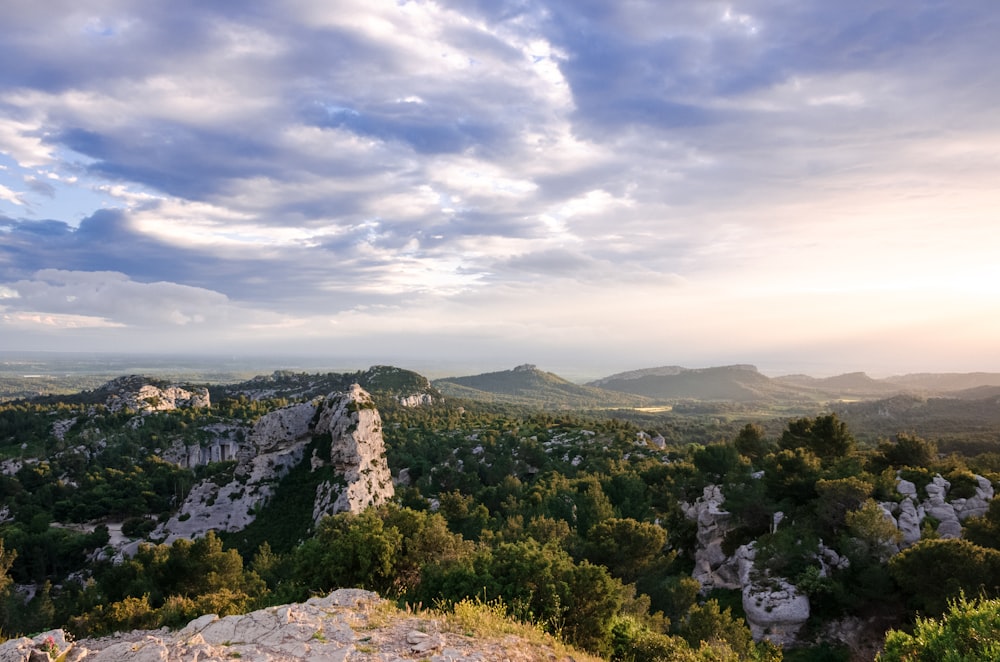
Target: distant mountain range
(735, 383)
(528, 385)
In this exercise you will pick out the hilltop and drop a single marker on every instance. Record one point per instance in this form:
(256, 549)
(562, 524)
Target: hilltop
(339, 626)
(526, 384)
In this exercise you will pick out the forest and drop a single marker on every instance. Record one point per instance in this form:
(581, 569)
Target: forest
(573, 522)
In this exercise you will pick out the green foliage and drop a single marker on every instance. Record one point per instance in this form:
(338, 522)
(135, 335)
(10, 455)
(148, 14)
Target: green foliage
(985, 530)
(719, 461)
(349, 550)
(168, 585)
(968, 632)
(907, 450)
(752, 443)
(837, 498)
(825, 436)
(709, 625)
(625, 547)
(876, 535)
(933, 572)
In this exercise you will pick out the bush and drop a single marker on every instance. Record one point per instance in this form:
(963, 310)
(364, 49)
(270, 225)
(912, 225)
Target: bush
(968, 632)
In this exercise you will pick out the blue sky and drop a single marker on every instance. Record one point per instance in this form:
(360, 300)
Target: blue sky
(588, 186)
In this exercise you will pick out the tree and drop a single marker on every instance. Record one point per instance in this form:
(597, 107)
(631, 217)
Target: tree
(932, 572)
(826, 436)
(751, 442)
(625, 547)
(968, 632)
(907, 451)
(349, 550)
(837, 498)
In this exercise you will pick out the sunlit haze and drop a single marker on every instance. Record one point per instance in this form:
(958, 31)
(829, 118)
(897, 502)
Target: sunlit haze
(590, 187)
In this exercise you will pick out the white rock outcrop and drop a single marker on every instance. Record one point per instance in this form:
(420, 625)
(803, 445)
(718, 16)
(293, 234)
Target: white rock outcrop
(712, 568)
(274, 446)
(357, 454)
(136, 393)
(911, 512)
(348, 624)
(775, 609)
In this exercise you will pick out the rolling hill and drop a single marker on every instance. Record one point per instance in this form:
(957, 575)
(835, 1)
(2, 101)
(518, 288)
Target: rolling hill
(528, 385)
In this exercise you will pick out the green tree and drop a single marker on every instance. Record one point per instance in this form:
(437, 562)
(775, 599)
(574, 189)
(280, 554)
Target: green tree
(752, 443)
(825, 436)
(837, 498)
(932, 572)
(968, 632)
(907, 450)
(349, 550)
(625, 547)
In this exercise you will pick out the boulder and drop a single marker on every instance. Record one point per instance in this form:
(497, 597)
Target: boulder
(775, 609)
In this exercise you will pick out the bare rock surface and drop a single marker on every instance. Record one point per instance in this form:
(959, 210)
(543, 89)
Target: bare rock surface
(348, 624)
(136, 393)
(274, 446)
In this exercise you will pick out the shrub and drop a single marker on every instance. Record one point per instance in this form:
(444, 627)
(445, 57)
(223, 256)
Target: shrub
(968, 632)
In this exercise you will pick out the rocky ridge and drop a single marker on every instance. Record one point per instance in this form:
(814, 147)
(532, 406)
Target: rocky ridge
(275, 444)
(345, 625)
(139, 394)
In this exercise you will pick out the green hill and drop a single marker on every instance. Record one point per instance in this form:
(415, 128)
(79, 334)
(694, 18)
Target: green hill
(528, 385)
(379, 380)
(737, 383)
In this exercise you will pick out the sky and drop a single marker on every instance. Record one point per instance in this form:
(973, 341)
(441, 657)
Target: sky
(588, 186)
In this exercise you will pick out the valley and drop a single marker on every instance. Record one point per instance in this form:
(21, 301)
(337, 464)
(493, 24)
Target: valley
(648, 514)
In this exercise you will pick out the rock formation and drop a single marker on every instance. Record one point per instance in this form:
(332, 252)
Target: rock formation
(138, 394)
(712, 568)
(357, 454)
(774, 608)
(345, 625)
(911, 512)
(276, 444)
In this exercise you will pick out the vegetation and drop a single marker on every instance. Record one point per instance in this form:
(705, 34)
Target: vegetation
(568, 522)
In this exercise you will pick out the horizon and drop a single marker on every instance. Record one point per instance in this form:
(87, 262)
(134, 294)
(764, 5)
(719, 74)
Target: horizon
(152, 364)
(604, 187)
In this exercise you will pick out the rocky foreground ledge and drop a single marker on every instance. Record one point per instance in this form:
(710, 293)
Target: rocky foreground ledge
(348, 624)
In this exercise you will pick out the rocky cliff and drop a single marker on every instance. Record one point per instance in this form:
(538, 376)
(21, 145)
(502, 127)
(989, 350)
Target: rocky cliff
(143, 395)
(348, 624)
(275, 444)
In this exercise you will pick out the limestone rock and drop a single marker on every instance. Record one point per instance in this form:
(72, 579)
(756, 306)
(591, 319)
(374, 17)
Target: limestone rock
(346, 625)
(775, 609)
(276, 444)
(357, 453)
(910, 513)
(712, 568)
(136, 393)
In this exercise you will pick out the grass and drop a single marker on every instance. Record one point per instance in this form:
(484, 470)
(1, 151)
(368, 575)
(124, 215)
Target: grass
(489, 620)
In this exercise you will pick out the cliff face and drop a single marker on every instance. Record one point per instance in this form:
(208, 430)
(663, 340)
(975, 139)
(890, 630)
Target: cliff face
(276, 444)
(357, 454)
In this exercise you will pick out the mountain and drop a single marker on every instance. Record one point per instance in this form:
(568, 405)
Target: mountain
(738, 383)
(526, 384)
(944, 382)
(849, 384)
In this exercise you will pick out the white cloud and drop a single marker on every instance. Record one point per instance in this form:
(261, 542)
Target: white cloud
(11, 196)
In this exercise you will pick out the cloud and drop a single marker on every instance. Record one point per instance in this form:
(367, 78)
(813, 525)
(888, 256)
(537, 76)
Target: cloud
(379, 166)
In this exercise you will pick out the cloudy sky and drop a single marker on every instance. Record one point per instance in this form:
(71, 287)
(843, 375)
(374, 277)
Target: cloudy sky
(588, 185)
